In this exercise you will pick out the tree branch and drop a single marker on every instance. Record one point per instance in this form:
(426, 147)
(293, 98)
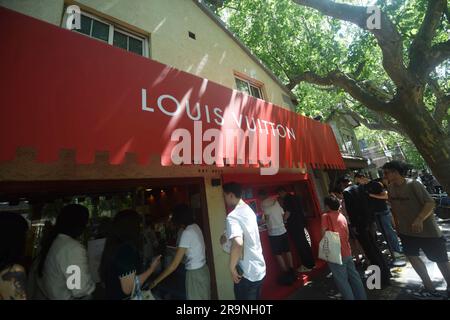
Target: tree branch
(382, 122)
(438, 54)
(280, 65)
(340, 80)
(442, 107)
(385, 126)
(430, 23)
(394, 126)
(442, 101)
(422, 42)
(359, 69)
(388, 37)
(423, 57)
(308, 32)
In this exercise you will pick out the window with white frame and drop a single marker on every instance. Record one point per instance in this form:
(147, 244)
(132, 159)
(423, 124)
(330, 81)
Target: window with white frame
(102, 30)
(249, 88)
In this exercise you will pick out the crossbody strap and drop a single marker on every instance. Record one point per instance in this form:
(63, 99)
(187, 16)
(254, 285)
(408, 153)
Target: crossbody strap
(330, 222)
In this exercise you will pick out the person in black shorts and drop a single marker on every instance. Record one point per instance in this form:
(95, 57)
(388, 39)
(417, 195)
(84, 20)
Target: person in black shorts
(412, 207)
(278, 237)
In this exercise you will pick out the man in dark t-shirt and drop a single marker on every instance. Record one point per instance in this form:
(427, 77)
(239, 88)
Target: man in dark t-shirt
(383, 217)
(296, 228)
(361, 216)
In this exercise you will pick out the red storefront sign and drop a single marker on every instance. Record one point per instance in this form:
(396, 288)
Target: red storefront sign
(62, 90)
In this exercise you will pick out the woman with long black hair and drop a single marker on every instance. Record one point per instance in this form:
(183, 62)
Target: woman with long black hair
(192, 247)
(13, 230)
(120, 264)
(62, 269)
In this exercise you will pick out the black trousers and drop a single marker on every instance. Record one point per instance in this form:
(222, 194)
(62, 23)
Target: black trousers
(367, 239)
(248, 290)
(297, 233)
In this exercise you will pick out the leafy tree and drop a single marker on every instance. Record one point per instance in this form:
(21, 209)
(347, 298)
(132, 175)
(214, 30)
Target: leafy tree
(394, 77)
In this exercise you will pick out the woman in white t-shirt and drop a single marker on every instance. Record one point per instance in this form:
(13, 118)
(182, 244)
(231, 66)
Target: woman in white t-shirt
(191, 246)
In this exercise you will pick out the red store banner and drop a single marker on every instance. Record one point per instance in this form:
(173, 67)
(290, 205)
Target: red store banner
(62, 90)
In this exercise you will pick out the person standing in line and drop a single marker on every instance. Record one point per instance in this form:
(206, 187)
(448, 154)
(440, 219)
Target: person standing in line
(247, 265)
(278, 237)
(191, 246)
(296, 228)
(346, 278)
(362, 222)
(357, 251)
(61, 251)
(121, 265)
(383, 216)
(13, 231)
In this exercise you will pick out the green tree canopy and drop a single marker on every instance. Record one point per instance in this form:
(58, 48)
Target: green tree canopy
(394, 77)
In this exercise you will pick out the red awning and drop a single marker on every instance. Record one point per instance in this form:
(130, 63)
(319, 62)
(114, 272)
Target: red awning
(62, 90)
(260, 179)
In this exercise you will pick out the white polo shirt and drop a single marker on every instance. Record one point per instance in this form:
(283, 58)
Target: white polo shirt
(242, 222)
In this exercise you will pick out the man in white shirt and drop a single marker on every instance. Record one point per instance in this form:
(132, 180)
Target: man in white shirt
(247, 265)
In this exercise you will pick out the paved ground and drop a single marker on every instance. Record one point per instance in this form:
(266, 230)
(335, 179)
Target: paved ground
(404, 282)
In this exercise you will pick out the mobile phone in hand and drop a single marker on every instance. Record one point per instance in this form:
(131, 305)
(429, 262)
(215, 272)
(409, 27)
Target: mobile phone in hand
(239, 270)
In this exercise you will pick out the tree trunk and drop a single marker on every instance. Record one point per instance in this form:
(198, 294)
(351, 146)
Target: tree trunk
(438, 160)
(431, 142)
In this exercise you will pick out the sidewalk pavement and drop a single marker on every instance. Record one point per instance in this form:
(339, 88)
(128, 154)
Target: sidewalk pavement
(404, 282)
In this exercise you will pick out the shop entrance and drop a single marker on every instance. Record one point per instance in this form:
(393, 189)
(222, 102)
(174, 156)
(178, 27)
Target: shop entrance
(301, 186)
(154, 199)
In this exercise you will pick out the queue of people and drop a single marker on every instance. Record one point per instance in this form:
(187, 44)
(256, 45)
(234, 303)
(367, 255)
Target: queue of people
(61, 270)
(284, 219)
(400, 208)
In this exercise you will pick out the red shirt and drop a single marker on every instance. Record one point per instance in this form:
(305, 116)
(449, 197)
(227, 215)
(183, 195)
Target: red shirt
(339, 225)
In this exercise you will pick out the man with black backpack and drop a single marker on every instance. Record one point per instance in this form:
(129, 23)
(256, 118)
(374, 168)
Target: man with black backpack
(362, 220)
(296, 228)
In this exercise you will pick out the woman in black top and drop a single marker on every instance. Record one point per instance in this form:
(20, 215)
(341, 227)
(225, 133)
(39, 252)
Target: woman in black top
(120, 260)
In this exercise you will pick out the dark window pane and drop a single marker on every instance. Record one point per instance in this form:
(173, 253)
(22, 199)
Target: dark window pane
(120, 40)
(242, 85)
(100, 30)
(256, 92)
(135, 45)
(85, 25)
